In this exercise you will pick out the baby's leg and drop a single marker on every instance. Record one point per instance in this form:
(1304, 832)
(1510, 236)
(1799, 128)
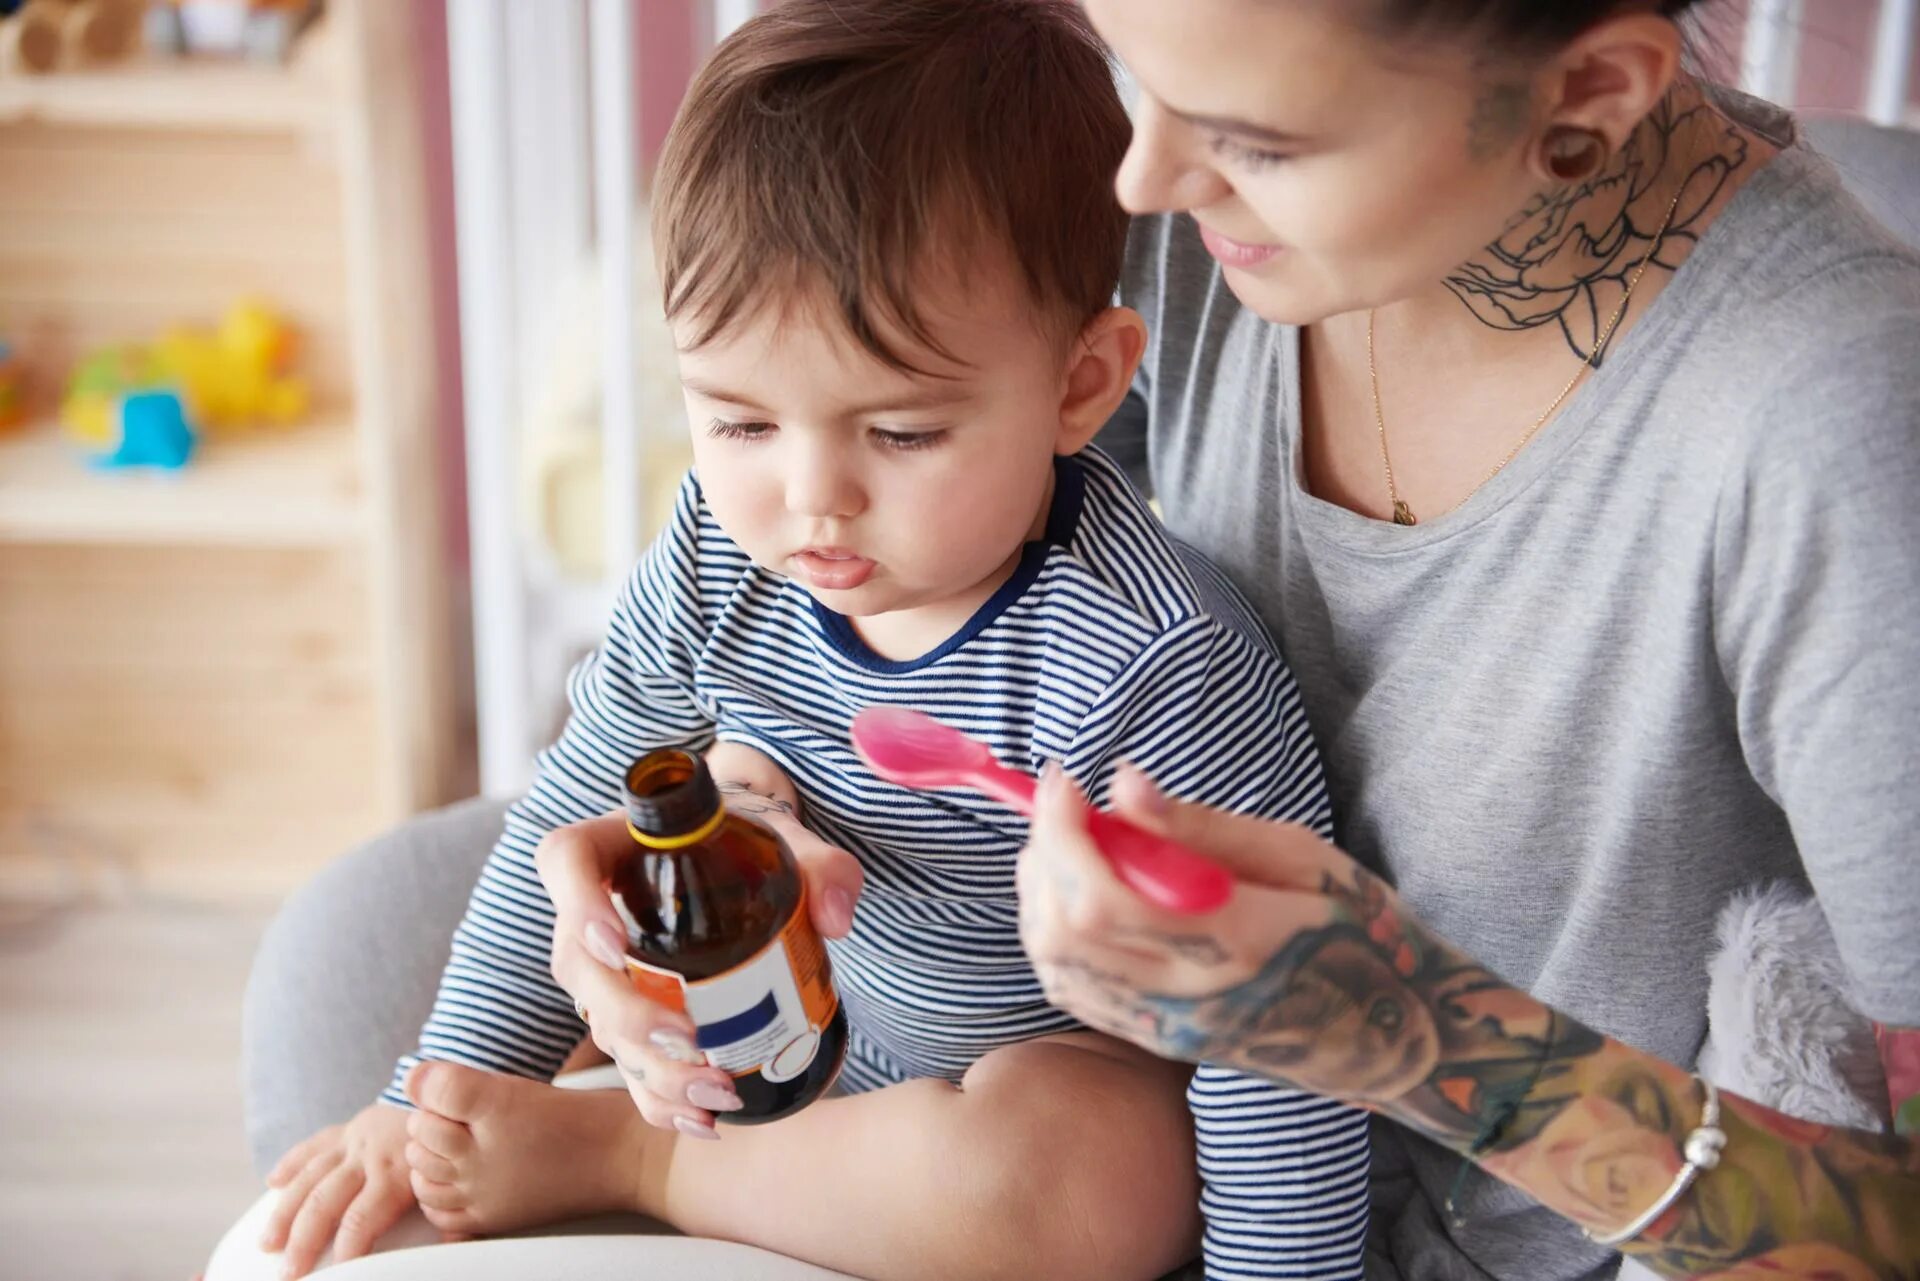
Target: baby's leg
(1061, 1158)
(1068, 1157)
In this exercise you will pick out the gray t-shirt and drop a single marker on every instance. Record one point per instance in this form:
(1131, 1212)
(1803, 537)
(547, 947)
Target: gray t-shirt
(1672, 651)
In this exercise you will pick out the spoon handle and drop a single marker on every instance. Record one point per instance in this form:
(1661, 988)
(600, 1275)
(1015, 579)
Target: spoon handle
(1167, 875)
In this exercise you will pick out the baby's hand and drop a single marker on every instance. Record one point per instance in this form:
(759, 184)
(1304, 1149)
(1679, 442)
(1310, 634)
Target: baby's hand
(345, 1186)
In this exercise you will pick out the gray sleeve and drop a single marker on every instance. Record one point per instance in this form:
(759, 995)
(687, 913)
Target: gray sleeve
(1817, 624)
(1125, 437)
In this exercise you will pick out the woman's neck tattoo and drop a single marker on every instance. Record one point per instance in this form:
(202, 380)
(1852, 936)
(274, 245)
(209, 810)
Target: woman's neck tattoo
(1565, 259)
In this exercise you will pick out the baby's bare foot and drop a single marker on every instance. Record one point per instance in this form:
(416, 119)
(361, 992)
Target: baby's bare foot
(493, 1154)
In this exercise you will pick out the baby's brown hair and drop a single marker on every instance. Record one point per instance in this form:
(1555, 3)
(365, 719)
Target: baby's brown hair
(851, 145)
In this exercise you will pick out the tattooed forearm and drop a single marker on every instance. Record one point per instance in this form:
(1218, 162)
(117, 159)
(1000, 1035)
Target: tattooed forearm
(1373, 1009)
(1565, 258)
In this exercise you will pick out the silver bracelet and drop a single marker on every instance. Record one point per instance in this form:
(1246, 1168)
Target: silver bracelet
(1702, 1150)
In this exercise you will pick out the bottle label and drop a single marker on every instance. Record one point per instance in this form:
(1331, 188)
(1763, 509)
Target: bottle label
(764, 1016)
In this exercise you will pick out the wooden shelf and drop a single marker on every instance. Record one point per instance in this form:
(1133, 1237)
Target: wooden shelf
(297, 488)
(176, 94)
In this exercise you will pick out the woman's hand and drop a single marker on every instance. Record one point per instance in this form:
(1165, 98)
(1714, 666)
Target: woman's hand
(654, 1047)
(1303, 977)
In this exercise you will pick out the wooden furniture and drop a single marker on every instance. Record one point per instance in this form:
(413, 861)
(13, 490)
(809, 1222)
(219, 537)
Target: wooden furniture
(212, 681)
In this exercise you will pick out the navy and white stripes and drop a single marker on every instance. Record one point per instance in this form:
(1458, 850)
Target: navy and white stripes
(1110, 643)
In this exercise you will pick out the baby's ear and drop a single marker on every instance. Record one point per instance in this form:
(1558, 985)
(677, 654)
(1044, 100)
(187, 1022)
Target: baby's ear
(1100, 364)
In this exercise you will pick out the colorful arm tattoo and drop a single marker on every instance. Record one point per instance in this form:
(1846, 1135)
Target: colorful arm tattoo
(1373, 1009)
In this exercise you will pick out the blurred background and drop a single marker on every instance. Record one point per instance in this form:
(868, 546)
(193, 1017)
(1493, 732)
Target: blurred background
(333, 399)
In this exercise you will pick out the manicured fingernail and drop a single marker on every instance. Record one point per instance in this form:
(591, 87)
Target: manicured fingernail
(714, 1098)
(839, 905)
(603, 945)
(694, 1130)
(675, 1047)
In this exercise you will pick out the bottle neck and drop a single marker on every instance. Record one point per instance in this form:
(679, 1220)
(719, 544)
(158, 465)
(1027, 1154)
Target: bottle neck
(658, 842)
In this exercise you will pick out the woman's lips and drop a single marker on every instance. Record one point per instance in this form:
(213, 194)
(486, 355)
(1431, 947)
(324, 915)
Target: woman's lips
(1233, 253)
(833, 569)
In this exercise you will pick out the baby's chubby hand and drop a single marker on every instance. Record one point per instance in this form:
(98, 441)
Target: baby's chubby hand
(343, 1187)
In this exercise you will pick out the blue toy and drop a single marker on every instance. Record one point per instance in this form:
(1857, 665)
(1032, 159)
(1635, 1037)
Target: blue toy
(153, 433)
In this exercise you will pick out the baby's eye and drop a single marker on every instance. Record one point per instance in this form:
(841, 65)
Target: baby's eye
(906, 441)
(721, 429)
(1253, 159)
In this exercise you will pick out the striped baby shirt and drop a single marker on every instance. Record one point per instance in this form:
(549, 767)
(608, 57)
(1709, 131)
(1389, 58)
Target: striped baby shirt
(1109, 643)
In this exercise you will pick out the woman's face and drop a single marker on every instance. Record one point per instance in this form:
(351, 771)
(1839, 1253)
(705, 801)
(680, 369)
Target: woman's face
(1329, 169)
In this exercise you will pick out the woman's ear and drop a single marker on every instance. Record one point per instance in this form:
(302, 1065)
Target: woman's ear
(1606, 82)
(1100, 364)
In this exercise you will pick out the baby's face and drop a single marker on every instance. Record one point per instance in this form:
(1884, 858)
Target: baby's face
(881, 491)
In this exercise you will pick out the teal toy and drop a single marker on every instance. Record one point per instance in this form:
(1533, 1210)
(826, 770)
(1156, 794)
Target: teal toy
(154, 432)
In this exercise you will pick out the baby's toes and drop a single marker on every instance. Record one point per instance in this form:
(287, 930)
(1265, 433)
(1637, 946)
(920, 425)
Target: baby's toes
(431, 1165)
(455, 1225)
(437, 1198)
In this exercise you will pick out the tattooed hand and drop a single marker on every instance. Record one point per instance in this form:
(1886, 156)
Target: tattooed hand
(1308, 976)
(1316, 975)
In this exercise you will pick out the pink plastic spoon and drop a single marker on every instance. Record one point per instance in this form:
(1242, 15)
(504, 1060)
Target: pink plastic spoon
(914, 750)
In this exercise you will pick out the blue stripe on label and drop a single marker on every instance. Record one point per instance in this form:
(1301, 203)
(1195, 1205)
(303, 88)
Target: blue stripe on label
(740, 1026)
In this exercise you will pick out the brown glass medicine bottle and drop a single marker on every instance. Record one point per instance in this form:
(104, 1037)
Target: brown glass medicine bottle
(717, 927)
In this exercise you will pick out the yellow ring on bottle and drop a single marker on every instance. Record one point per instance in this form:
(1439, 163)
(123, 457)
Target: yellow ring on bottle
(679, 842)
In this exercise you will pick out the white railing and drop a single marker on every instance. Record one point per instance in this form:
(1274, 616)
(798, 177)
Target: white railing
(544, 101)
(545, 177)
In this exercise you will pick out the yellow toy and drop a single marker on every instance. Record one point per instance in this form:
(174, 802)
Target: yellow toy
(228, 380)
(239, 376)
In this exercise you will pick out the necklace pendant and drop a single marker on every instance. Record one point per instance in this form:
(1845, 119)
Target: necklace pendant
(1403, 514)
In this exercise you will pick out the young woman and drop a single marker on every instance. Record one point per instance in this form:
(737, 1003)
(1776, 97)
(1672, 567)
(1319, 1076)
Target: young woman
(1563, 417)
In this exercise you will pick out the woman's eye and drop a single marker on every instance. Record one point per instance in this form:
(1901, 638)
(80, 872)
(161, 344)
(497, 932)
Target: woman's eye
(1253, 159)
(722, 429)
(907, 441)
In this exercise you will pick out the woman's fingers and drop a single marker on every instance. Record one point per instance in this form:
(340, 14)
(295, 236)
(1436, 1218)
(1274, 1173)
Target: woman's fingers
(319, 1219)
(294, 1197)
(1257, 851)
(656, 1051)
(1064, 881)
(674, 1111)
(385, 1197)
(574, 862)
(834, 880)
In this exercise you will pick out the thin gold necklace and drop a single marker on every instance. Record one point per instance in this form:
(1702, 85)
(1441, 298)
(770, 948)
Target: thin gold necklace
(1403, 514)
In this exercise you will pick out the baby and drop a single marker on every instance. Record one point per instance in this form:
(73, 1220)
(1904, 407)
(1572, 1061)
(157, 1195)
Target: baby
(889, 250)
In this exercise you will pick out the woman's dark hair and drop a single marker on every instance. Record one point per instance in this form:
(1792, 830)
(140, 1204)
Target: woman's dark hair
(1515, 23)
